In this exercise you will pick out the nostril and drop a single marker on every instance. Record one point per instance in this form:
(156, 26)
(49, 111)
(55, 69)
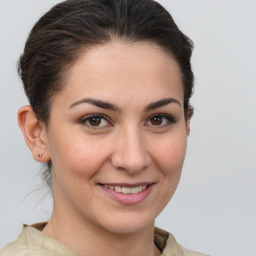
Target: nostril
(129, 152)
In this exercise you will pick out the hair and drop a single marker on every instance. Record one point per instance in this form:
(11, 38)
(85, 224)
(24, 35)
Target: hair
(64, 32)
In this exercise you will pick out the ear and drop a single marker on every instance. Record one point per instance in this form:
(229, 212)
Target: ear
(35, 133)
(188, 125)
(188, 119)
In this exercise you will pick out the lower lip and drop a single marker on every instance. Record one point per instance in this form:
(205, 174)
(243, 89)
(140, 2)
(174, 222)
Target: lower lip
(128, 199)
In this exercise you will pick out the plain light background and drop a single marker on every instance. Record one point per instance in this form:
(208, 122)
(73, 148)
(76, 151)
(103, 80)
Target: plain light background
(214, 208)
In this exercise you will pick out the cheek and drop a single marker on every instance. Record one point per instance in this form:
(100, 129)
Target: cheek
(170, 154)
(77, 157)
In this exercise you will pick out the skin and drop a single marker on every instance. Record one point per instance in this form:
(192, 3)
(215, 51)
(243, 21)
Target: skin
(126, 145)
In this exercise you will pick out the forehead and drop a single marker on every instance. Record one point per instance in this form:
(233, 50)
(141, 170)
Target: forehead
(118, 70)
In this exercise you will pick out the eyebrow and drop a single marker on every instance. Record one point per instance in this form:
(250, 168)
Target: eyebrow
(110, 106)
(161, 103)
(98, 103)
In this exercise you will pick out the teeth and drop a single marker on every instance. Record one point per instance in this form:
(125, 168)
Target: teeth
(127, 190)
(117, 189)
(135, 190)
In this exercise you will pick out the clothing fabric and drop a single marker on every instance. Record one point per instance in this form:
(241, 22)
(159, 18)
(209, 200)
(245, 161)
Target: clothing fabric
(32, 242)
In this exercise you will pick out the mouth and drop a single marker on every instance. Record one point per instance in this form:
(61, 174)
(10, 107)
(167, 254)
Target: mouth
(127, 194)
(127, 190)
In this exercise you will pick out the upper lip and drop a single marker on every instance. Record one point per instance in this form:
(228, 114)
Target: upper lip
(128, 185)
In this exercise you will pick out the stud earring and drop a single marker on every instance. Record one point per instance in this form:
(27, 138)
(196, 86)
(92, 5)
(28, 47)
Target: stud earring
(40, 155)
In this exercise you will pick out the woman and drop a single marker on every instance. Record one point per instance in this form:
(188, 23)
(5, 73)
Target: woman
(109, 84)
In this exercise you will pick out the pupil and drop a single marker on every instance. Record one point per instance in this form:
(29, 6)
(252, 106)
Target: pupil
(156, 120)
(94, 121)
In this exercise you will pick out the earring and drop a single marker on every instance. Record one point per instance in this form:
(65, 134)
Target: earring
(40, 155)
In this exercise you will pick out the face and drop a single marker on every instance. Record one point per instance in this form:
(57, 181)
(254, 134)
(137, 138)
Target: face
(117, 137)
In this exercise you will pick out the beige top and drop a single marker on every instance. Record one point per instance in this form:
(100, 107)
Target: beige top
(32, 242)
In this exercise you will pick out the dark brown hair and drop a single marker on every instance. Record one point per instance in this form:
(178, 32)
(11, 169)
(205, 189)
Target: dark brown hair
(69, 27)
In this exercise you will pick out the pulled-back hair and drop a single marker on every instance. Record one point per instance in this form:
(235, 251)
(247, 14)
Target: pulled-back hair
(63, 33)
(60, 35)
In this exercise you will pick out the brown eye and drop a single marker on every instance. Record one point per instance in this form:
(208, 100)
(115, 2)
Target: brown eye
(156, 120)
(160, 120)
(94, 121)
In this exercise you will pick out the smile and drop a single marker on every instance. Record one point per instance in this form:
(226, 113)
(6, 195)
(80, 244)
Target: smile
(126, 190)
(128, 194)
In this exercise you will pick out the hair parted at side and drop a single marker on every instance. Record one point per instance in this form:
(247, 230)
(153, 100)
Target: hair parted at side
(60, 35)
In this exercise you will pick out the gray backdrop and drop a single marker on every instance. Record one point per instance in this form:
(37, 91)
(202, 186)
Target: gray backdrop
(214, 208)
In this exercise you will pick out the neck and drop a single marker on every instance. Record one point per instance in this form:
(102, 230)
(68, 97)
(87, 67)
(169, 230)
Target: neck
(88, 239)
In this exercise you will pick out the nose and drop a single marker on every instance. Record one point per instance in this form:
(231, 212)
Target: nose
(130, 153)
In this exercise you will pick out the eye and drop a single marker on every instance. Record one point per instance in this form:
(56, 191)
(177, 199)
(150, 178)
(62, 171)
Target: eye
(160, 120)
(95, 121)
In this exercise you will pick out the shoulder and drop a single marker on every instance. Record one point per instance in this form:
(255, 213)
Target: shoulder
(32, 242)
(18, 249)
(187, 252)
(170, 247)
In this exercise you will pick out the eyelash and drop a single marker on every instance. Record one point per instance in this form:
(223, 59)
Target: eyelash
(87, 118)
(168, 119)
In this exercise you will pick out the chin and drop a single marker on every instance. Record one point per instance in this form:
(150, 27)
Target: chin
(129, 224)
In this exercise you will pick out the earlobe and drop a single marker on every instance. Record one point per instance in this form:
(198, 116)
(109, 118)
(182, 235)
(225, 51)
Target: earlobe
(34, 133)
